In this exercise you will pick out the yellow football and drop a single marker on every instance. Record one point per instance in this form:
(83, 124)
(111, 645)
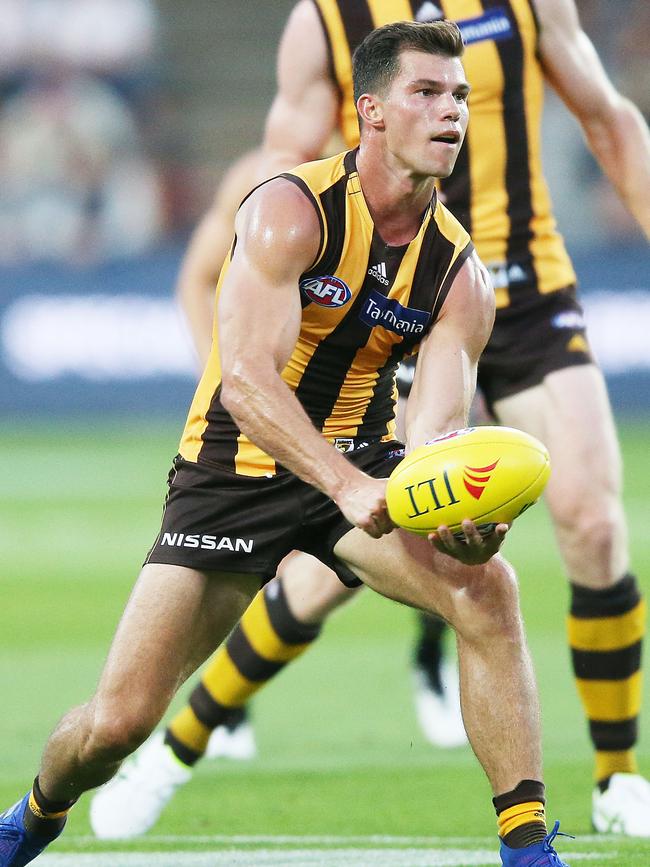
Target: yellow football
(489, 474)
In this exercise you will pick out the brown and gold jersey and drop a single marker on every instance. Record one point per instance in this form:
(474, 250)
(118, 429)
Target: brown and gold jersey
(497, 189)
(366, 305)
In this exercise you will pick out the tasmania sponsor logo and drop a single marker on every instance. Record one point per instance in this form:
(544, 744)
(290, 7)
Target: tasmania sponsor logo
(494, 25)
(475, 479)
(207, 542)
(327, 291)
(390, 314)
(379, 273)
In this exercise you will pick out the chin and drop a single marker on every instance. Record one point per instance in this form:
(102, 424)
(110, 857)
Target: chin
(437, 170)
(444, 172)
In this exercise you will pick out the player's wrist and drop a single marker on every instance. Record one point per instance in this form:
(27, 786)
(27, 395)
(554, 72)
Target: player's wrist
(346, 483)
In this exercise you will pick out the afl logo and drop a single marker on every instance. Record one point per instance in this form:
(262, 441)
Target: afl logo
(326, 291)
(475, 479)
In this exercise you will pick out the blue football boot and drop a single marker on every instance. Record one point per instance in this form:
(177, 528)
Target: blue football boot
(540, 855)
(17, 847)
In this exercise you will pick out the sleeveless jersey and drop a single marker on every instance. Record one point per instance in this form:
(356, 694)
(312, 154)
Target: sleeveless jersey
(497, 189)
(365, 306)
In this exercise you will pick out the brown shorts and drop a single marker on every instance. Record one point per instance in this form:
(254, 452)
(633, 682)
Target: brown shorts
(217, 520)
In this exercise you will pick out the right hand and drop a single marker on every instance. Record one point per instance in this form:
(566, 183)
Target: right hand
(363, 503)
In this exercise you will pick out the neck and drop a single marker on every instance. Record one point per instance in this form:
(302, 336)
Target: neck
(395, 196)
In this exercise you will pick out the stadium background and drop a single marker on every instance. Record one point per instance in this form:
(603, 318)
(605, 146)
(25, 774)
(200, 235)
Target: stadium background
(117, 118)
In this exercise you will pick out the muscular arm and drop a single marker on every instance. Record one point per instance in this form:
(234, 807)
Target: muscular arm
(443, 387)
(614, 128)
(302, 118)
(259, 315)
(445, 373)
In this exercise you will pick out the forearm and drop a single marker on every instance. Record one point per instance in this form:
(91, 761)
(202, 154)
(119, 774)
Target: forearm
(196, 301)
(424, 425)
(620, 141)
(199, 273)
(441, 397)
(269, 414)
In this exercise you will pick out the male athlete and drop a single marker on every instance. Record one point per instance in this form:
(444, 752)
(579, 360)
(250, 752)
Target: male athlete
(301, 360)
(537, 372)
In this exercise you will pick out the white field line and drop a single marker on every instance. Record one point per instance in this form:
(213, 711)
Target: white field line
(292, 857)
(278, 857)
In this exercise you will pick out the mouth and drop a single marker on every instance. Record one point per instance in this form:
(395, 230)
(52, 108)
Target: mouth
(449, 137)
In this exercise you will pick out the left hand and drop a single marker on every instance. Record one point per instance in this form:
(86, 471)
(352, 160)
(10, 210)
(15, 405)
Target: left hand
(473, 549)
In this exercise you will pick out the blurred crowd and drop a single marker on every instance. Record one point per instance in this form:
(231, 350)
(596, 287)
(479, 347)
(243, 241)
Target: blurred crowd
(77, 179)
(82, 82)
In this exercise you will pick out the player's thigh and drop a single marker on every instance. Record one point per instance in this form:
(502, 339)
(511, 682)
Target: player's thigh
(570, 412)
(173, 620)
(312, 589)
(407, 568)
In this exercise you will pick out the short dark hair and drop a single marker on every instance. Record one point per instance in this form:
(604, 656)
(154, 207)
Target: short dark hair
(375, 63)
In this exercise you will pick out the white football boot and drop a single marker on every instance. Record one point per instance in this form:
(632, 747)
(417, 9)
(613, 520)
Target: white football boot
(624, 808)
(131, 803)
(438, 713)
(236, 743)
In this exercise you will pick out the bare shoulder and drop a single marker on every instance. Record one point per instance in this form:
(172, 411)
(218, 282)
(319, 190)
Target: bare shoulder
(470, 303)
(473, 284)
(303, 48)
(556, 13)
(303, 22)
(278, 222)
(236, 180)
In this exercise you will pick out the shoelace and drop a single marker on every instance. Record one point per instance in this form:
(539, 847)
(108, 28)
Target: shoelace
(548, 843)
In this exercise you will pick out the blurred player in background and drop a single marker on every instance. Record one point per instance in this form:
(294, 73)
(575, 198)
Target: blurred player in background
(537, 373)
(258, 457)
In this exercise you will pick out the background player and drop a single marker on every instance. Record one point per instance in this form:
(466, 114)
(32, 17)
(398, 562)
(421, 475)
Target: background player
(537, 372)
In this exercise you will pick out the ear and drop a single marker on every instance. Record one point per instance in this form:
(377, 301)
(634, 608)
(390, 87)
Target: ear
(371, 110)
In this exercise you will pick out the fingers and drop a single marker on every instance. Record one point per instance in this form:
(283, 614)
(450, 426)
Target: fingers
(378, 525)
(472, 544)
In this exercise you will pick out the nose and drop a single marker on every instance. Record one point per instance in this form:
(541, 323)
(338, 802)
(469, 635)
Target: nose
(449, 107)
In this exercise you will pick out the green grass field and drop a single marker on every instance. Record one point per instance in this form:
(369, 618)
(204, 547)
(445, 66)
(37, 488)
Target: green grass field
(343, 775)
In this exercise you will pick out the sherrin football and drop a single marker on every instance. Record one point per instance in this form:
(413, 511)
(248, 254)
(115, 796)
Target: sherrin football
(489, 474)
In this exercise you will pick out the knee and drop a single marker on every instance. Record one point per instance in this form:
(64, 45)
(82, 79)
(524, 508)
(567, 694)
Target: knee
(115, 731)
(590, 522)
(487, 606)
(593, 539)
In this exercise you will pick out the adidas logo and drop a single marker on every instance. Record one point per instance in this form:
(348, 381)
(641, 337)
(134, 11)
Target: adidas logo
(429, 12)
(379, 273)
(516, 274)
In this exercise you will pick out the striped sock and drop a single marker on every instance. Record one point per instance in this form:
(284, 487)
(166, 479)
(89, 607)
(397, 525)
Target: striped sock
(521, 820)
(266, 638)
(44, 818)
(606, 629)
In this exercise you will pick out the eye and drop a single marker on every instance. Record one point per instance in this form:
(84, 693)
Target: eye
(425, 91)
(461, 96)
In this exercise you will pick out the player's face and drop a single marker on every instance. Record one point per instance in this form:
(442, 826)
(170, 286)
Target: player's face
(425, 112)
